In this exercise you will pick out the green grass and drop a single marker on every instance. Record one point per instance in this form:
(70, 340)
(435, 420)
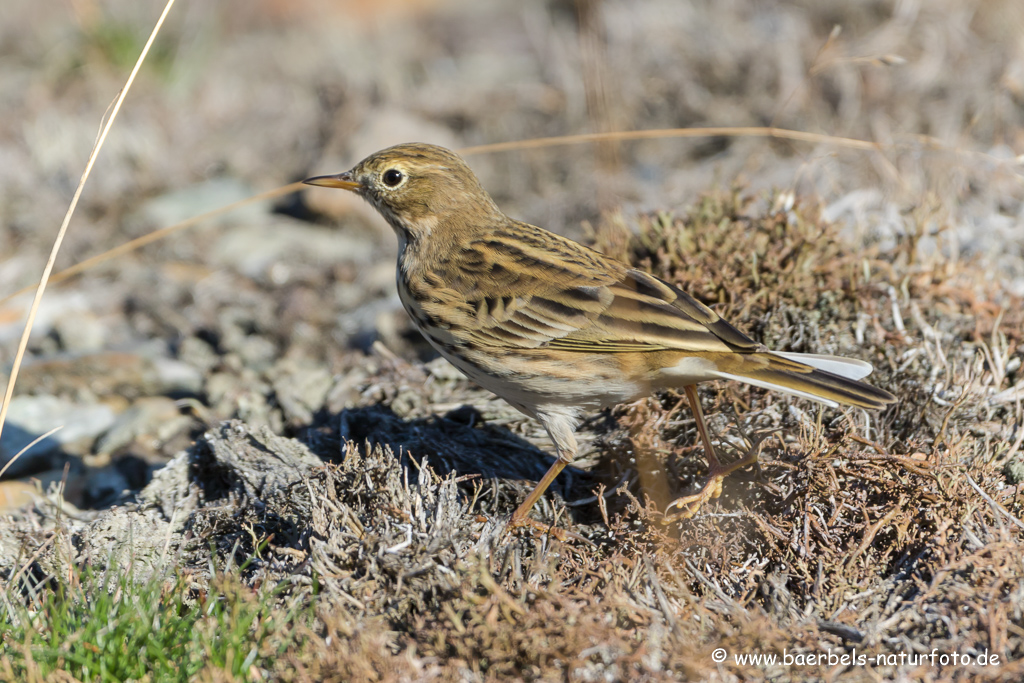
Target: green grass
(113, 629)
(119, 45)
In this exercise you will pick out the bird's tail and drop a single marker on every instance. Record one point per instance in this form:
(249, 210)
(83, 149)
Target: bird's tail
(831, 380)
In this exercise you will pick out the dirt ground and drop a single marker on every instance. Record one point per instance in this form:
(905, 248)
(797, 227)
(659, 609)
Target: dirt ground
(249, 393)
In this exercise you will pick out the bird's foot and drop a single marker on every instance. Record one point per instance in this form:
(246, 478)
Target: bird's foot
(688, 505)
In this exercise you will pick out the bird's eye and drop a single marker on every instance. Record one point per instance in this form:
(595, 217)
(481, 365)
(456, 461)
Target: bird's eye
(392, 177)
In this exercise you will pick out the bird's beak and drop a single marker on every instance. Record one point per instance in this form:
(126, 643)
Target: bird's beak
(343, 181)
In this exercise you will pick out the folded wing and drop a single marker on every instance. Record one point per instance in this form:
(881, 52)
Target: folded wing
(575, 299)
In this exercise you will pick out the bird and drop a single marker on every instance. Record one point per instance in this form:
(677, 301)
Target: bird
(558, 329)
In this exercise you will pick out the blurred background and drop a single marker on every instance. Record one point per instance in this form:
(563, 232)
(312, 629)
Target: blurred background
(257, 314)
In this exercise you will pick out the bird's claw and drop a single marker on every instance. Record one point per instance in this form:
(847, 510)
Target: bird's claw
(712, 488)
(548, 529)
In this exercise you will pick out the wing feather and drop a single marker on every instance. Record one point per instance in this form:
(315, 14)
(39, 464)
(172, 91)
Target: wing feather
(568, 297)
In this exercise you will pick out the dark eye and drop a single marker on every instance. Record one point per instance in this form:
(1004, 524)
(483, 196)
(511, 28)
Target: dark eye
(392, 177)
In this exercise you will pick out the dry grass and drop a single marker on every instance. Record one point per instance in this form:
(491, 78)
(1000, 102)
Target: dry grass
(878, 536)
(874, 540)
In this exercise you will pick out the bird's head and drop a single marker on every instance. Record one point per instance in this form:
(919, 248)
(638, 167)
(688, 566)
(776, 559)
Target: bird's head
(417, 187)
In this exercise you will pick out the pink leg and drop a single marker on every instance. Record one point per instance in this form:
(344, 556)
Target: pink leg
(717, 472)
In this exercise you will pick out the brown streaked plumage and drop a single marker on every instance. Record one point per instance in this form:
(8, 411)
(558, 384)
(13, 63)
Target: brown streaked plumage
(556, 328)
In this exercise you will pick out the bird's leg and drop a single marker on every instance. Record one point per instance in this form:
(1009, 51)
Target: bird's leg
(520, 516)
(560, 429)
(717, 472)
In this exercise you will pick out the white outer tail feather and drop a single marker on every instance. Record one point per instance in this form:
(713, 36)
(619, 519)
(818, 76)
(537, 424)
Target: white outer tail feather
(837, 365)
(850, 368)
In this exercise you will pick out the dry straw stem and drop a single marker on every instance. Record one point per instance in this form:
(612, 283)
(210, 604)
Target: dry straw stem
(23, 343)
(925, 141)
(156, 235)
(532, 143)
(725, 131)
(29, 446)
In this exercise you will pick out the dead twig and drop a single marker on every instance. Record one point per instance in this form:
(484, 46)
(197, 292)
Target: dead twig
(993, 503)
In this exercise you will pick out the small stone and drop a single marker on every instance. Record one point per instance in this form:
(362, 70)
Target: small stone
(300, 388)
(109, 373)
(187, 202)
(81, 332)
(32, 416)
(1014, 470)
(155, 419)
(262, 250)
(197, 353)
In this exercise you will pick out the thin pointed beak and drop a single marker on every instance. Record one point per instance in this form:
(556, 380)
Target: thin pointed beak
(342, 181)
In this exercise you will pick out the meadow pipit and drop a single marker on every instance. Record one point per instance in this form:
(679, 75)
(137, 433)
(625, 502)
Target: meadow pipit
(556, 328)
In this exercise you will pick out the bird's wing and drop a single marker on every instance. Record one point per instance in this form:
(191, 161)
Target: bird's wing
(526, 289)
(646, 313)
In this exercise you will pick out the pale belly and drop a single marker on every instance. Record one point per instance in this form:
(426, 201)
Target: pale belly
(533, 381)
(528, 387)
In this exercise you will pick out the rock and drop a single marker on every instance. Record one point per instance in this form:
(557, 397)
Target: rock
(198, 354)
(234, 474)
(103, 486)
(44, 455)
(255, 352)
(31, 416)
(252, 462)
(243, 395)
(53, 307)
(188, 202)
(300, 388)
(110, 373)
(81, 332)
(155, 419)
(96, 487)
(254, 249)
(172, 376)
